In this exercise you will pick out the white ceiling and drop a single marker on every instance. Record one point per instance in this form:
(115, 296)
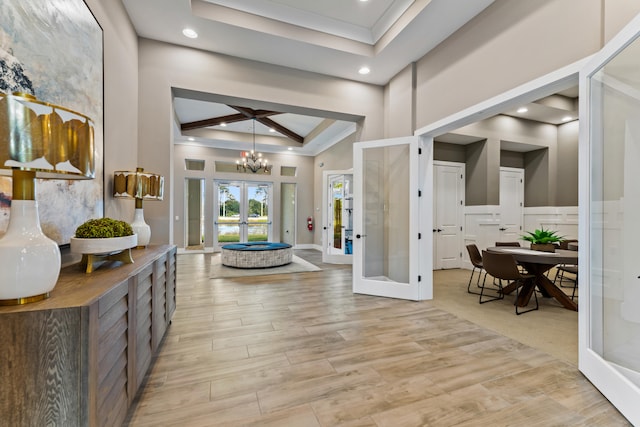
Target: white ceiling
(332, 37)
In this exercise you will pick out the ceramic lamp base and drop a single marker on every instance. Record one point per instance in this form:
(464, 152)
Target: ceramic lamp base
(141, 228)
(29, 260)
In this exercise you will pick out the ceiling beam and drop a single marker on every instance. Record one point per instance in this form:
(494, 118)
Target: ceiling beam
(283, 130)
(214, 121)
(262, 117)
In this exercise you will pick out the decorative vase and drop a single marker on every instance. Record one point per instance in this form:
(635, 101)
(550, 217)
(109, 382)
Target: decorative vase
(543, 247)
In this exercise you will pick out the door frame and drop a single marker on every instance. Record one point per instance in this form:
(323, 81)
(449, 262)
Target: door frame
(522, 172)
(622, 393)
(244, 208)
(459, 211)
(420, 284)
(326, 256)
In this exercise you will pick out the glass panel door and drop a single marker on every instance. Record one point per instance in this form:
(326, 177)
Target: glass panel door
(242, 212)
(387, 228)
(258, 219)
(609, 274)
(227, 222)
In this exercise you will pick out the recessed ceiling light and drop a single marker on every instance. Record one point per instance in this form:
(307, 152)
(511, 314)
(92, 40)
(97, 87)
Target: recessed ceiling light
(191, 138)
(364, 70)
(567, 118)
(223, 124)
(522, 110)
(272, 130)
(188, 32)
(290, 148)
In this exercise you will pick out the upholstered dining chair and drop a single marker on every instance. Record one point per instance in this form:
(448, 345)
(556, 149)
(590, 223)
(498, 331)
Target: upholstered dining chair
(476, 260)
(566, 272)
(503, 266)
(515, 244)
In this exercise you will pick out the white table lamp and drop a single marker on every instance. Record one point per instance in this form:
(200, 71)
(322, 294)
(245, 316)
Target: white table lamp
(37, 140)
(139, 185)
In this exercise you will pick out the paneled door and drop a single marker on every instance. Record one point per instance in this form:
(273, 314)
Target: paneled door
(609, 272)
(389, 250)
(511, 204)
(448, 214)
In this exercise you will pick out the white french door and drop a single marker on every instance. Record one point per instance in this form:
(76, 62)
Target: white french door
(389, 220)
(511, 204)
(242, 212)
(448, 213)
(609, 319)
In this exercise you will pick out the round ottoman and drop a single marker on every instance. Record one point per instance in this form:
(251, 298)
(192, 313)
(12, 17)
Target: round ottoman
(256, 254)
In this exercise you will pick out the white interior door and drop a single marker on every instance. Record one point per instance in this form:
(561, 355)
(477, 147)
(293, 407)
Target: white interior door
(389, 243)
(609, 287)
(448, 212)
(511, 203)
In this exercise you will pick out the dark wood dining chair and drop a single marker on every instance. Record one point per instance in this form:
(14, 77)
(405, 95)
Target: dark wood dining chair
(567, 272)
(503, 266)
(515, 244)
(476, 260)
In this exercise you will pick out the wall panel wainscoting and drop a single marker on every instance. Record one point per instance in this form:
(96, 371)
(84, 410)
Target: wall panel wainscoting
(79, 357)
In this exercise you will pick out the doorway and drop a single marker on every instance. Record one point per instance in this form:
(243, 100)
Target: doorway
(511, 204)
(337, 217)
(448, 214)
(242, 212)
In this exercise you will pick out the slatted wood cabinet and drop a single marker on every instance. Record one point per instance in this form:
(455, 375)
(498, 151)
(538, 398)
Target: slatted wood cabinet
(79, 357)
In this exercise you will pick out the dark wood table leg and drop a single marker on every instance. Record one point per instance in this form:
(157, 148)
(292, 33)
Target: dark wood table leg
(545, 286)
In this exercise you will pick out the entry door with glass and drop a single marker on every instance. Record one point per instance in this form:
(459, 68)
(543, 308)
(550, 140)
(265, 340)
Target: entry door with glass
(609, 288)
(337, 217)
(242, 212)
(390, 258)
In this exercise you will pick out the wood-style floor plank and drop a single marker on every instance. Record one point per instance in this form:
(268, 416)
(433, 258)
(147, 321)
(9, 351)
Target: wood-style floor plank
(301, 349)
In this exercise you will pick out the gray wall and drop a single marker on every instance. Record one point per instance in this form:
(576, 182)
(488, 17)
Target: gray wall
(304, 180)
(163, 67)
(508, 44)
(120, 99)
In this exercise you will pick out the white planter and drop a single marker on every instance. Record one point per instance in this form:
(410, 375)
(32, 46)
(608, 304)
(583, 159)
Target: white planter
(103, 246)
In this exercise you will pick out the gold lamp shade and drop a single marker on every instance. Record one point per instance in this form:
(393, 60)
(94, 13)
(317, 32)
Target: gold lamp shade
(53, 141)
(138, 185)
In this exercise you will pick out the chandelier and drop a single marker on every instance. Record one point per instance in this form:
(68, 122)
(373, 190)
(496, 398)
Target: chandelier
(250, 160)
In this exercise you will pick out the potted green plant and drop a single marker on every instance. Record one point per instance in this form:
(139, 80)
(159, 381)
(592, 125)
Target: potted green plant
(542, 240)
(103, 235)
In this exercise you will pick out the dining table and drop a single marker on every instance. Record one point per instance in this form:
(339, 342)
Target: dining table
(538, 263)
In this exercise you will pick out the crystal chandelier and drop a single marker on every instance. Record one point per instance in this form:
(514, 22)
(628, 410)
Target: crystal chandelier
(250, 160)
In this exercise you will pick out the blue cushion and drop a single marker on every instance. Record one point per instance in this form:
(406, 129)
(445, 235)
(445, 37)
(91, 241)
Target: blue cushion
(256, 246)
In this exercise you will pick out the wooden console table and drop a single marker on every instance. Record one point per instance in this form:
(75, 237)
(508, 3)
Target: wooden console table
(79, 357)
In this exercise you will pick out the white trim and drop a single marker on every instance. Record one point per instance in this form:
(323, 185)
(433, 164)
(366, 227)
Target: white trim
(535, 89)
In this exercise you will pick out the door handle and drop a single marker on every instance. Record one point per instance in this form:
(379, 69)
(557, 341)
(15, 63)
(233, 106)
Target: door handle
(439, 230)
(502, 229)
(360, 235)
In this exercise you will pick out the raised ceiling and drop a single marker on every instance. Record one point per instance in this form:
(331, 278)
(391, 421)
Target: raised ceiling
(332, 37)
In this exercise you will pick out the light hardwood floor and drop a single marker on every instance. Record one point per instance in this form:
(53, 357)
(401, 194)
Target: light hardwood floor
(302, 350)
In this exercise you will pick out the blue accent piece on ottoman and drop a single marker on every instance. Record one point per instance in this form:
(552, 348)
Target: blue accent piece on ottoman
(256, 246)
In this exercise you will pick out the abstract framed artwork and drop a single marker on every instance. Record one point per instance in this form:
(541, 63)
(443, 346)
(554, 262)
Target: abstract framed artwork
(54, 50)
